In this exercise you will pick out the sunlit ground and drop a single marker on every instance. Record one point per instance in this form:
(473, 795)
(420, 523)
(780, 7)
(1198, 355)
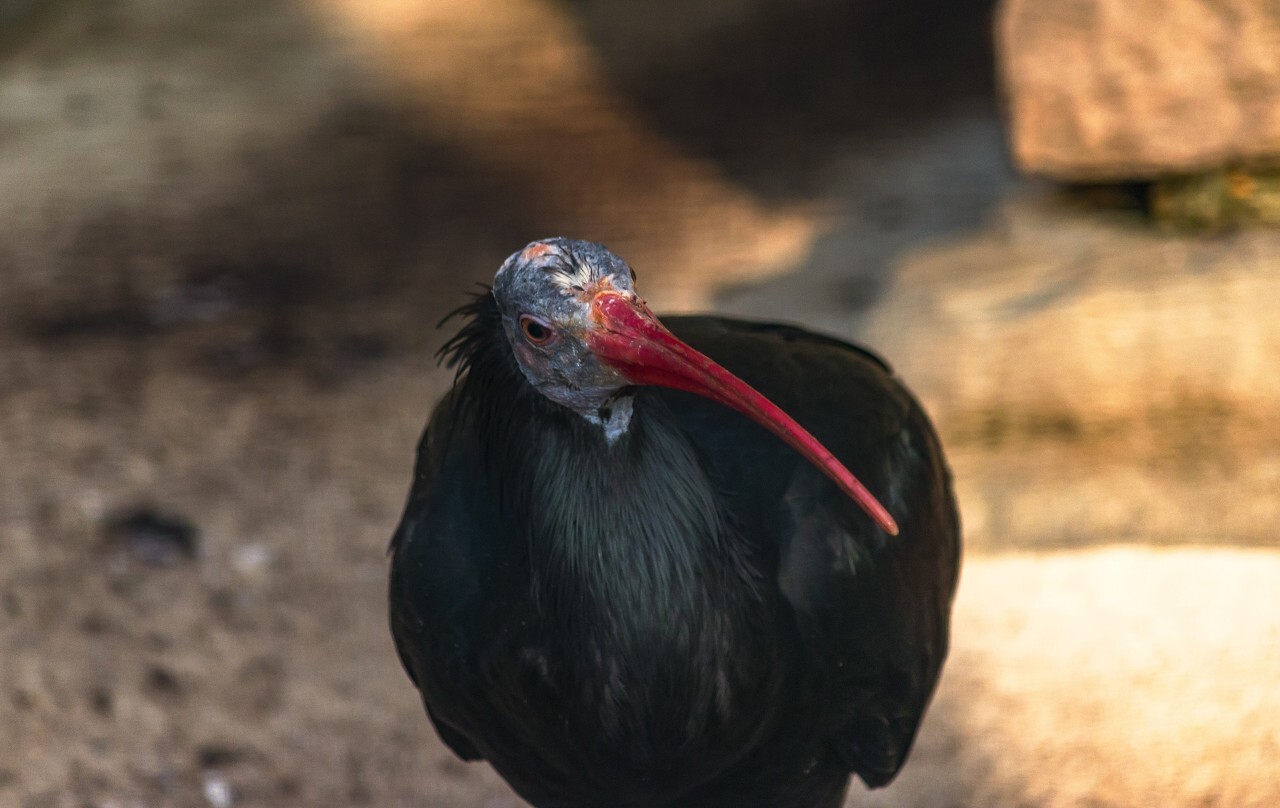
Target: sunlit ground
(1125, 675)
(582, 155)
(223, 264)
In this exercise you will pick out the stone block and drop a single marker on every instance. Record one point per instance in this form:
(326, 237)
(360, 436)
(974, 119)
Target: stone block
(1123, 89)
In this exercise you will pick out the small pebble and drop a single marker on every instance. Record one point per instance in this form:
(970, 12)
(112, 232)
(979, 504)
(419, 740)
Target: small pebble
(217, 791)
(256, 558)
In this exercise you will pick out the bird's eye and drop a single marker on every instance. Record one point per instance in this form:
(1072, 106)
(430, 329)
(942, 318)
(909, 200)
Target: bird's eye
(539, 332)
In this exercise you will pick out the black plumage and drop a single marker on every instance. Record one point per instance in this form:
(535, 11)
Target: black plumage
(648, 599)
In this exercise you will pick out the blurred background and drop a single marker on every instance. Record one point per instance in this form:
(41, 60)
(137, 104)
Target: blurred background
(228, 229)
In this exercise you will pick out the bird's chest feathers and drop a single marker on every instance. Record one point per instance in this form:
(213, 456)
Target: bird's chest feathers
(635, 591)
(628, 524)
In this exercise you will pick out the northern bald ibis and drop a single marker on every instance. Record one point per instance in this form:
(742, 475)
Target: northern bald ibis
(624, 577)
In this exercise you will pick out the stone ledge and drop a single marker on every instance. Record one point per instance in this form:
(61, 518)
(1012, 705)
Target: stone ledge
(1094, 378)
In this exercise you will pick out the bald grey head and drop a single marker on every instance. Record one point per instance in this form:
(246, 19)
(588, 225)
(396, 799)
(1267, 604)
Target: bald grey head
(583, 338)
(544, 294)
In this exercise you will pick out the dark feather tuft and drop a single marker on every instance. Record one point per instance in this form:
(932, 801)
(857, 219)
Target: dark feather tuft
(481, 313)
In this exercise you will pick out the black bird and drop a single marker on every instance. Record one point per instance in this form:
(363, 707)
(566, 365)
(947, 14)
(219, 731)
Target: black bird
(624, 577)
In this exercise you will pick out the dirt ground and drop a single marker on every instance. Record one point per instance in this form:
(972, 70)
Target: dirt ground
(227, 231)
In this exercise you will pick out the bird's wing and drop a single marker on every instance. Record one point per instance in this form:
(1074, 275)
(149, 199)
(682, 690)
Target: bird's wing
(871, 611)
(423, 591)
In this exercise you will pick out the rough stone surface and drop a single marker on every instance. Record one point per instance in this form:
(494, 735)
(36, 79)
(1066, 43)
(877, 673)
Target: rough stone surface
(1117, 89)
(1092, 376)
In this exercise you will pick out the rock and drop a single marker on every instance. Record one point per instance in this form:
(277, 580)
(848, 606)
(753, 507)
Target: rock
(1093, 378)
(1118, 89)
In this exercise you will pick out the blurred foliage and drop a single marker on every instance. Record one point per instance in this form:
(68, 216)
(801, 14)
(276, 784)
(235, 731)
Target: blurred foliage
(1218, 200)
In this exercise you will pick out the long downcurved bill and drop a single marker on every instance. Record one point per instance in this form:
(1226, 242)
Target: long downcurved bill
(628, 337)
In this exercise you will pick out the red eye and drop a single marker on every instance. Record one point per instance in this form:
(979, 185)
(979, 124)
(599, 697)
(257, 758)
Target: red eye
(539, 332)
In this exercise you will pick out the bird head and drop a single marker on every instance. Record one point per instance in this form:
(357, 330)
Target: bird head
(582, 337)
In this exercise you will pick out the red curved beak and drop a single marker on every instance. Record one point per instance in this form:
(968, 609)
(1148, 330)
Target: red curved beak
(628, 337)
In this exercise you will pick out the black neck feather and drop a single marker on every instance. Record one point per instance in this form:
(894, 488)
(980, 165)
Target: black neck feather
(636, 524)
